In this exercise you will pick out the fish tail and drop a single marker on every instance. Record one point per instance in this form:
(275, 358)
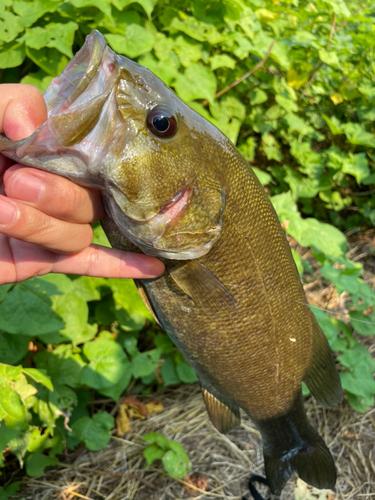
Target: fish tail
(313, 463)
(291, 445)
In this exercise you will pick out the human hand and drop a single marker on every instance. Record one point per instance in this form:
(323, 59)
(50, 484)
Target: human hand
(45, 219)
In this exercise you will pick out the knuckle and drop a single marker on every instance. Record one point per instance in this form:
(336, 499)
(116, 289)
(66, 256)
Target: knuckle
(72, 200)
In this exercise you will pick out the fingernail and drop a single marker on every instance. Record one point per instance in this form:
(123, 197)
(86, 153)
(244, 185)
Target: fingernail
(7, 212)
(27, 187)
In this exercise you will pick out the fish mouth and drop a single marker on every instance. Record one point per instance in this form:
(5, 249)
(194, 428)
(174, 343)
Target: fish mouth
(92, 68)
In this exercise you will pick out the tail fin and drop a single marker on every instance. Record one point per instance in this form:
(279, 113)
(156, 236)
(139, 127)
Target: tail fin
(313, 463)
(291, 444)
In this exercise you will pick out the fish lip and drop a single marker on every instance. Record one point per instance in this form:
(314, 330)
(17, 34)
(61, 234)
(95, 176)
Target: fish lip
(176, 205)
(94, 57)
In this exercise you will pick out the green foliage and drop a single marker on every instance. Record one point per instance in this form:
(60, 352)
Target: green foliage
(305, 120)
(95, 334)
(173, 455)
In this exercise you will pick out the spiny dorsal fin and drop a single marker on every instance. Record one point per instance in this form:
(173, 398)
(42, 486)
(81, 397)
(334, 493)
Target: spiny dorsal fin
(322, 377)
(223, 418)
(206, 290)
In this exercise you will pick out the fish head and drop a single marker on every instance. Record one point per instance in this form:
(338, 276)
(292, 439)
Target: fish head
(113, 125)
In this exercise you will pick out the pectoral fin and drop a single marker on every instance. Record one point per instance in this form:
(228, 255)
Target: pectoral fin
(223, 417)
(143, 294)
(206, 290)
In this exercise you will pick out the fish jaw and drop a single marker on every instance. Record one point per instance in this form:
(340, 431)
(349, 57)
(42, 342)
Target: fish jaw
(150, 236)
(94, 122)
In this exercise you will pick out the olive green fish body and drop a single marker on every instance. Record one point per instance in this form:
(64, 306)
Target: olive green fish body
(175, 187)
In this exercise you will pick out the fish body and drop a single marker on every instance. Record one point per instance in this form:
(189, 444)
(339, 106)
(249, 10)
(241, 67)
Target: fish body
(175, 187)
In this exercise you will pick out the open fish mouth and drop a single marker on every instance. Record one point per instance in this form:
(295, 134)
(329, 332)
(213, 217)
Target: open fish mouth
(93, 117)
(92, 69)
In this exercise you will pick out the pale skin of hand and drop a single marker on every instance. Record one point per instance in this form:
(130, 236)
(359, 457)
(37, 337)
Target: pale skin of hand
(45, 219)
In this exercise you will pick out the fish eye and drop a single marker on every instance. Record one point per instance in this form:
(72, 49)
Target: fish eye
(162, 122)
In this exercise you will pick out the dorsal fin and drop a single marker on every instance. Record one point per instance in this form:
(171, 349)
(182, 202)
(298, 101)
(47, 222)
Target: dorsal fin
(223, 417)
(200, 284)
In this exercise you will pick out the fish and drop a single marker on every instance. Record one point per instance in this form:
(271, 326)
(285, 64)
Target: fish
(173, 186)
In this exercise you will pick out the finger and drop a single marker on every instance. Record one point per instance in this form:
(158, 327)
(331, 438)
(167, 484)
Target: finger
(26, 223)
(109, 263)
(53, 195)
(20, 261)
(22, 110)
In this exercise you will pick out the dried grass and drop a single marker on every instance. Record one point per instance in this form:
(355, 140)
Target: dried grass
(118, 472)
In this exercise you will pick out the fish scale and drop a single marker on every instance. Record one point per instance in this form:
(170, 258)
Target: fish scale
(230, 298)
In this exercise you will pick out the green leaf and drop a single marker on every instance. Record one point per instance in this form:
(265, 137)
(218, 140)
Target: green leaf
(152, 453)
(62, 367)
(126, 295)
(166, 72)
(10, 26)
(10, 490)
(30, 11)
(188, 51)
(198, 82)
(145, 363)
(130, 322)
(108, 363)
(197, 29)
(27, 310)
(335, 126)
(13, 347)
(115, 391)
(357, 165)
(87, 287)
(18, 445)
(74, 311)
(222, 61)
(102, 5)
(57, 35)
(49, 60)
(39, 377)
(361, 323)
(356, 134)
(40, 80)
(360, 403)
(164, 343)
(54, 284)
(100, 238)
(6, 435)
(62, 399)
(136, 41)
(176, 463)
(257, 96)
(37, 462)
(4, 290)
(286, 103)
(95, 431)
(329, 57)
(148, 5)
(168, 372)
(359, 382)
(186, 373)
(298, 261)
(263, 177)
(12, 54)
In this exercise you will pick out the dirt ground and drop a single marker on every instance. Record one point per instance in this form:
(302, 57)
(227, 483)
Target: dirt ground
(221, 464)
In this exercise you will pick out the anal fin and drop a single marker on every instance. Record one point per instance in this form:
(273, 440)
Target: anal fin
(206, 290)
(322, 377)
(223, 417)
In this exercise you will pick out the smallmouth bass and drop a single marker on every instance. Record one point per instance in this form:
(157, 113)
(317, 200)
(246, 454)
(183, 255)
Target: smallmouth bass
(175, 187)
